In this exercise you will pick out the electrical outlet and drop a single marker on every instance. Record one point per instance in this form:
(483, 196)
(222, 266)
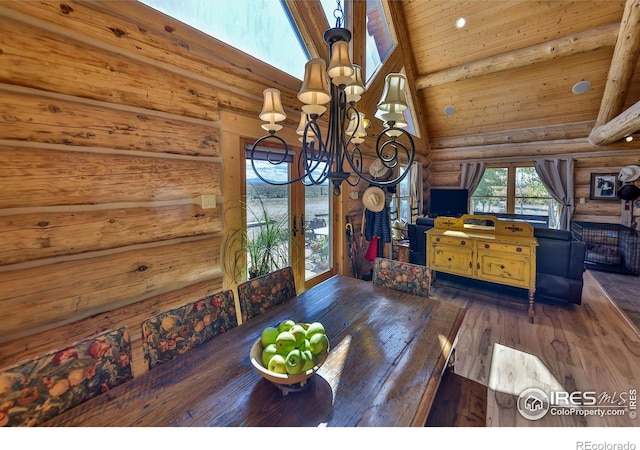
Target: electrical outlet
(207, 201)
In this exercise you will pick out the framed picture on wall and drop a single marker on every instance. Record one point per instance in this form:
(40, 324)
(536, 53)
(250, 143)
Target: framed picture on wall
(604, 186)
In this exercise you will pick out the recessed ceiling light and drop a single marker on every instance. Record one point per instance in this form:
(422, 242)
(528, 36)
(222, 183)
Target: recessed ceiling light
(629, 138)
(449, 110)
(581, 87)
(460, 23)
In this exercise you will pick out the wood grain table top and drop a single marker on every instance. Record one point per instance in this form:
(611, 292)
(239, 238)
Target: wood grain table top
(388, 352)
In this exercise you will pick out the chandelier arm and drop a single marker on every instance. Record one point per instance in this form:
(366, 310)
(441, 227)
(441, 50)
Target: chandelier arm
(395, 143)
(282, 159)
(310, 158)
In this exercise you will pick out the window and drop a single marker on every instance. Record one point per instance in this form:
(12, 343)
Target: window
(378, 42)
(403, 204)
(513, 190)
(252, 26)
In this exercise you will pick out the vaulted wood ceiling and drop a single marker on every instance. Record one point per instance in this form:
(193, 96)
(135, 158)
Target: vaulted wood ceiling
(509, 72)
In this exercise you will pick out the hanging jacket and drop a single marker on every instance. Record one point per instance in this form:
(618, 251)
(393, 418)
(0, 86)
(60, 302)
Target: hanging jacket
(378, 224)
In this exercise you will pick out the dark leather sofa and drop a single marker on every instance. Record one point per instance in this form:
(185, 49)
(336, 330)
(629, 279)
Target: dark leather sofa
(559, 261)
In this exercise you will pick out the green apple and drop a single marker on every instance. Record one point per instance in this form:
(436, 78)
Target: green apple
(299, 333)
(267, 353)
(277, 364)
(286, 325)
(285, 342)
(294, 362)
(269, 336)
(318, 343)
(305, 345)
(309, 360)
(315, 328)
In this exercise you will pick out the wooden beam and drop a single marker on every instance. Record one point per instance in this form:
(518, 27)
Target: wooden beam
(617, 128)
(546, 133)
(623, 63)
(398, 20)
(309, 18)
(594, 39)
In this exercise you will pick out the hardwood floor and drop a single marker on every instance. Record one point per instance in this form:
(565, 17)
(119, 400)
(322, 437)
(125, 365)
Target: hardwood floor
(588, 347)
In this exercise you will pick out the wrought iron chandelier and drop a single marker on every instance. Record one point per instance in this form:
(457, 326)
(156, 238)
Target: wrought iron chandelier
(335, 154)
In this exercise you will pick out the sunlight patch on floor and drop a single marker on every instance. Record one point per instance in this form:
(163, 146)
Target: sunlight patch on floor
(512, 371)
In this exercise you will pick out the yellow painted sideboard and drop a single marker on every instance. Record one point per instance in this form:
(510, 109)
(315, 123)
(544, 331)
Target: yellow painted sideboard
(485, 248)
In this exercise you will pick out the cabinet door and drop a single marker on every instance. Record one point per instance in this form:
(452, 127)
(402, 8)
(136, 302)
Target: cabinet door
(451, 259)
(504, 268)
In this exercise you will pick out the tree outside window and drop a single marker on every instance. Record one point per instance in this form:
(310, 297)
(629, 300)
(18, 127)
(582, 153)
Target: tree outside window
(513, 190)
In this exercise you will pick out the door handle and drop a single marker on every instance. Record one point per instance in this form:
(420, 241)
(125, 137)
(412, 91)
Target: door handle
(294, 230)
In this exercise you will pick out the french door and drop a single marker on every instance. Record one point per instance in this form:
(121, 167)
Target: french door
(306, 211)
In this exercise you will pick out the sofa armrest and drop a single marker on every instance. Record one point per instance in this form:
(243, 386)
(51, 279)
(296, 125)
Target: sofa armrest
(576, 262)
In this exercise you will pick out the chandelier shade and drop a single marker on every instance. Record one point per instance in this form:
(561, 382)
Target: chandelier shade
(315, 92)
(355, 88)
(272, 110)
(340, 69)
(335, 155)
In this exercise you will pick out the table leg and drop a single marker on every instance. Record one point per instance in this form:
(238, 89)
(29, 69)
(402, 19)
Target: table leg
(532, 306)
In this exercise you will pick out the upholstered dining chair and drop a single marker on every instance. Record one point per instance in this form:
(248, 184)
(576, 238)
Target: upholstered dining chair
(40, 388)
(402, 276)
(260, 294)
(176, 331)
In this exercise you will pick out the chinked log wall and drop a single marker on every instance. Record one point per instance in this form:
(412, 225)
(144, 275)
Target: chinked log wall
(110, 132)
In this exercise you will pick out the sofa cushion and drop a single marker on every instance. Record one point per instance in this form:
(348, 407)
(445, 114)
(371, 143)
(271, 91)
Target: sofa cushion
(550, 233)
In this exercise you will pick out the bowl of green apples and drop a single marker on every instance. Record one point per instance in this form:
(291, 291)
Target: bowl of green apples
(289, 353)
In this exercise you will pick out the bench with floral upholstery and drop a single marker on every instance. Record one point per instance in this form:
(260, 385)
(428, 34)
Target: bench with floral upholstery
(402, 276)
(260, 294)
(40, 388)
(174, 332)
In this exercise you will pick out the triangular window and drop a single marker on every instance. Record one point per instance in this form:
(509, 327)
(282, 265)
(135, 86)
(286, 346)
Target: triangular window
(252, 26)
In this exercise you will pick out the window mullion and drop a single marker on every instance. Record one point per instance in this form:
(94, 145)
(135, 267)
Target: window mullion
(511, 190)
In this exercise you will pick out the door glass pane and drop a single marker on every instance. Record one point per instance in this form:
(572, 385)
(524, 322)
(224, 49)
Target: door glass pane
(317, 242)
(267, 221)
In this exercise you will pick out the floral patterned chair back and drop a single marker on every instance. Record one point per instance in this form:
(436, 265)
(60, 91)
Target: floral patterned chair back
(38, 389)
(263, 293)
(402, 276)
(174, 332)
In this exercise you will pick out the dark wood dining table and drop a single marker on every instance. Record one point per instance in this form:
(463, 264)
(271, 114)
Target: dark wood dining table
(389, 350)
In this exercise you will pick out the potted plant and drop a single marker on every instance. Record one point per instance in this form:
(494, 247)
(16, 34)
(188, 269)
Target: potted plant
(260, 248)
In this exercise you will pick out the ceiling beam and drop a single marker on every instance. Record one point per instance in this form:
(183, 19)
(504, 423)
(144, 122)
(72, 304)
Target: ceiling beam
(312, 23)
(587, 41)
(531, 134)
(617, 128)
(611, 125)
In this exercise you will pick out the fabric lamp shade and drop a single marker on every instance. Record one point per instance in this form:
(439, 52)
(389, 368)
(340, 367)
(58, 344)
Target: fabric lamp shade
(394, 100)
(272, 110)
(315, 92)
(340, 69)
(355, 88)
(304, 119)
(357, 127)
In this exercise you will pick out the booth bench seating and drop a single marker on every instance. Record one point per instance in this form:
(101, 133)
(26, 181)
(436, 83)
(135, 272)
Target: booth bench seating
(559, 261)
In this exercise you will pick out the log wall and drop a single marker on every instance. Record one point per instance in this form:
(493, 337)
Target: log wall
(110, 136)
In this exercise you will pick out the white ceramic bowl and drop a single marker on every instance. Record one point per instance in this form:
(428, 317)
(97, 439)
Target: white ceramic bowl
(282, 378)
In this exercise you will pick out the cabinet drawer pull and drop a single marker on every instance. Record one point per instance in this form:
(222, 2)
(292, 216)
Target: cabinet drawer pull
(486, 245)
(518, 249)
(462, 242)
(437, 239)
